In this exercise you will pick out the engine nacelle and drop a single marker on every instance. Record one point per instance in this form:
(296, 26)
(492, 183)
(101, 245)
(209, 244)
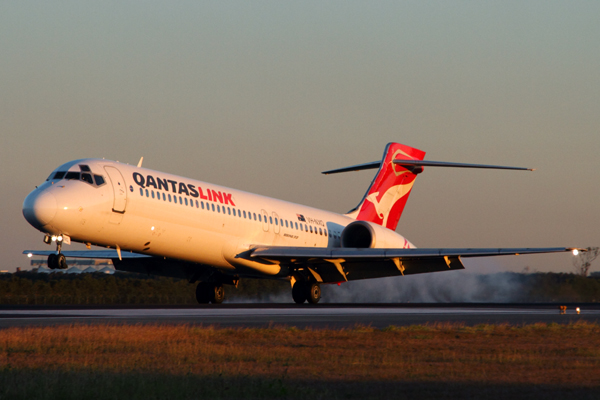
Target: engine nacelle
(365, 234)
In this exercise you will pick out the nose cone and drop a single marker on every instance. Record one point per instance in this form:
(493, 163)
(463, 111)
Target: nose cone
(39, 208)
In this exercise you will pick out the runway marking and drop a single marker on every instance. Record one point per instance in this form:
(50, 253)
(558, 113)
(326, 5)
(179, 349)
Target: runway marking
(272, 312)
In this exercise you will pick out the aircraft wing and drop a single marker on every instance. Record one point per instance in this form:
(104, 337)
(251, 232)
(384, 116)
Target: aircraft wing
(99, 254)
(343, 264)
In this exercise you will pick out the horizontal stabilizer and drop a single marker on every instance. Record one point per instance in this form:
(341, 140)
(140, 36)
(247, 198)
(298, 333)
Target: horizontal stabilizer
(359, 167)
(425, 163)
(422, 163)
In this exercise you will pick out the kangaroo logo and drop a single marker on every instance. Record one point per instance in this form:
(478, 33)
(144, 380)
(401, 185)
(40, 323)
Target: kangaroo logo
(389, 198)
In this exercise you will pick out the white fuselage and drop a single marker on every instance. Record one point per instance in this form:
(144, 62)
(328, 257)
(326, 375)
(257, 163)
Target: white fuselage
(160, 214)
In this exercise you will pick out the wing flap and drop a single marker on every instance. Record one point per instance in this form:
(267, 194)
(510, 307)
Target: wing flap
(368, 269)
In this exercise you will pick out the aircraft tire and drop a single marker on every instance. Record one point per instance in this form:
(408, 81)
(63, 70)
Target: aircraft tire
(218, 294)
(313, 293)
(299, 292)
(203, 292)
(61, 261)
(52, 264)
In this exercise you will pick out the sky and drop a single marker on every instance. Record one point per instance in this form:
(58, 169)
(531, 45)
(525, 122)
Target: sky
(262, 96)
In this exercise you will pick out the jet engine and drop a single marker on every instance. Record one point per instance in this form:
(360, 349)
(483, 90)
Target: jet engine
(365, 234)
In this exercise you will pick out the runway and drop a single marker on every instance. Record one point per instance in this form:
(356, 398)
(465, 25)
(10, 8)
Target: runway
(305, 316)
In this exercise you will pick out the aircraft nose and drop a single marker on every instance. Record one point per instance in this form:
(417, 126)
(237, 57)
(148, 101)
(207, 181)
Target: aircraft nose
(39, 208)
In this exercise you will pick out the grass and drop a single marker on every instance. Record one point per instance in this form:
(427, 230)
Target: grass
(185, 362)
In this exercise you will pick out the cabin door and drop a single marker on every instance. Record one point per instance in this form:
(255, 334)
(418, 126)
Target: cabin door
(119, 189)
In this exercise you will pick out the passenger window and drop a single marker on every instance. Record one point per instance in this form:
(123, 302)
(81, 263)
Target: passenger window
(147, 194)
(202, 204)
(180, 200)
(297, 226)
(169, 197)
(228, 210)
(255, 216)
(301, 228)
(197, 204)
(286, 223)
(271, 220)
(244, 214)
(164, 197)
(276, 221)
(186, 201)
(311, 229)
(259, 218)
(152, 191)
(141, 192)
(320, 232)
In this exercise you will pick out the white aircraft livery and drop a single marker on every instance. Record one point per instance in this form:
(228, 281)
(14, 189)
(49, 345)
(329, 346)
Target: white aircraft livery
(157, 223)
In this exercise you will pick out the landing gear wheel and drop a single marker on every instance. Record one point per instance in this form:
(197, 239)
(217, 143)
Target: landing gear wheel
(218, 294)
(52, 264)
(207, 292)
(313, 293)
(61, 261)
(299, 292)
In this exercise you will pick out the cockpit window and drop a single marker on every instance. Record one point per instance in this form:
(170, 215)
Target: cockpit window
(94, 180)
(59, 175)
(87, 178)
(72, 175)
(99, 180)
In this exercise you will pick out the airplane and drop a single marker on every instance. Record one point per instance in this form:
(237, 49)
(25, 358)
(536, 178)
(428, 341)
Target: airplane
(157, 223)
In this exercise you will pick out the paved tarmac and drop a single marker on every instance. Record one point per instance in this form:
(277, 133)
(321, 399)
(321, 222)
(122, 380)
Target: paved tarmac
(318, 317)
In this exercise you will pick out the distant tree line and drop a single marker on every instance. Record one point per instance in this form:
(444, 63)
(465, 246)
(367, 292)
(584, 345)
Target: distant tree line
(120, 288)
(124, 288)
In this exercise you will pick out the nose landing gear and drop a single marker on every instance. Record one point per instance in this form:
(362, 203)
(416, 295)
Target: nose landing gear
(58, 260)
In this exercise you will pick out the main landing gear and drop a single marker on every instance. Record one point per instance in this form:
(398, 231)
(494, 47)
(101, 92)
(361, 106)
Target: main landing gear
(306, 291)
(208, 292)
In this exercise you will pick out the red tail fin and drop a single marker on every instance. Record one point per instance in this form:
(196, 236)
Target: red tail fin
(385, 200)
